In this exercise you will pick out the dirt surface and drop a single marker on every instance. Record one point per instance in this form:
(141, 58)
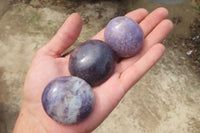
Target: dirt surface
(71, 6)
(186, 34)
(165, 100)
(189, 45)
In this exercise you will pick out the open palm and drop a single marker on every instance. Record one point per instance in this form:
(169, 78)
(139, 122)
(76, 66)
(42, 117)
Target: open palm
(48, 64)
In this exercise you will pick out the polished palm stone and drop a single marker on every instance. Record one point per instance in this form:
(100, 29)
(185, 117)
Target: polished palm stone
(93, 61)
(124, 36)
(68, 99)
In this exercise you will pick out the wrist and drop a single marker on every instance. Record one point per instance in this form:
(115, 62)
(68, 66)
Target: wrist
(27, 123)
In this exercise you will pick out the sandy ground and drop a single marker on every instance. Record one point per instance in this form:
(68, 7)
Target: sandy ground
(165, 100)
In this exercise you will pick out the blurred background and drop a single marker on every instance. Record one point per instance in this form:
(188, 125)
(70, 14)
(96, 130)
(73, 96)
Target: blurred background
(165, 100)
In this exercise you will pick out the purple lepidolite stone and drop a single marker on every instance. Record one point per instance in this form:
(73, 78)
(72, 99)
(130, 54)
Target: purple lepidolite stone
(93, 61)
(68, 99)
(124, 36)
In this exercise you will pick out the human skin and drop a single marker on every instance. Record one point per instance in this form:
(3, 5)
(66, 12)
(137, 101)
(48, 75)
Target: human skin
(48, 64)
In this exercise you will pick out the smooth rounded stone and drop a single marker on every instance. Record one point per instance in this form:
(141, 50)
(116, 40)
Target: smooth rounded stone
(124, 36)
(68, 99)
(93, 61)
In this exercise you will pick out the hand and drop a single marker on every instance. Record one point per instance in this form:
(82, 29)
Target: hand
(48, 64)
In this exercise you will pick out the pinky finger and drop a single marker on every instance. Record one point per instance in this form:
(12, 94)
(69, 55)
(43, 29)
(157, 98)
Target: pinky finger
(135, 71)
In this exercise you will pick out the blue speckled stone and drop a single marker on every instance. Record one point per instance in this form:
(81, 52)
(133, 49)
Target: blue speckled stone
(68, 99)
(124, 36)
(93, 61)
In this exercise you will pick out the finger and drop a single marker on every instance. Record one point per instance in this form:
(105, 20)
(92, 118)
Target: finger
(65, 36)
(156, 36)
(137, 15)
(134, 72)
(153, 19)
